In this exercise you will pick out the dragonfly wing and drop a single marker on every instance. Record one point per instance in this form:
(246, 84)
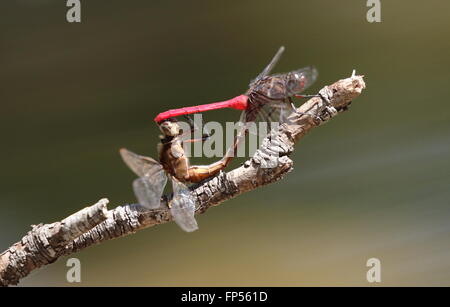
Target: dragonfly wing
(140, 165)
(267, 113)
(149, 187)
(149, 190)
(269, 67)
(285, 111)
(183, 207)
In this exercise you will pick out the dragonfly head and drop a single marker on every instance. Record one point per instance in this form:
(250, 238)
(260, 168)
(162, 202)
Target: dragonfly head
(170, 127)
(300, 79)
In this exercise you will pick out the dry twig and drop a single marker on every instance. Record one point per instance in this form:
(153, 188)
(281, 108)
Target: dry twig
(44, 244)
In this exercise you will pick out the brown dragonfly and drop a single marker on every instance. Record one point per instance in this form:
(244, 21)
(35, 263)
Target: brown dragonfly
(173, 163)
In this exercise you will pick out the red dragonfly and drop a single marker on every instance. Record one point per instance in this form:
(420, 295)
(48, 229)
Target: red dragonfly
(274, 92)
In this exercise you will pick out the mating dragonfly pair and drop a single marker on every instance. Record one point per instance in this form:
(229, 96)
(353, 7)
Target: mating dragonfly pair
(268, 96)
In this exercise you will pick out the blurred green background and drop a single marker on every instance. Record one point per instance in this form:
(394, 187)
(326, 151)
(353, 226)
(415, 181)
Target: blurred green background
(372, 183)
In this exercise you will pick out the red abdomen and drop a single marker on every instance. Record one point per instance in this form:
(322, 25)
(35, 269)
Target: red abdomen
(238, 103)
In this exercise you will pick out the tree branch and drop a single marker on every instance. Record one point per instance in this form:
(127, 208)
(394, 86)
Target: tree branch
(44, 244)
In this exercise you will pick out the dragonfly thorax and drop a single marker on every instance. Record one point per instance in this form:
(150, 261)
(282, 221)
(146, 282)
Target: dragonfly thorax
(272, 87)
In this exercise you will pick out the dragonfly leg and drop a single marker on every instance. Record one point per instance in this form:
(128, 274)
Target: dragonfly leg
(202, 139)
(191, 122)
(325, 94)
(294, 108)
(267, 117)
(307, 96)
(316, 117)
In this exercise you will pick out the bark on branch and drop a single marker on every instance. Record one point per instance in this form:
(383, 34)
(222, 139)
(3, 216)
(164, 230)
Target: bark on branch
(44, 244)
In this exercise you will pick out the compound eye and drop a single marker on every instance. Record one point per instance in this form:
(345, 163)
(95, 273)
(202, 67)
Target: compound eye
(301, 82)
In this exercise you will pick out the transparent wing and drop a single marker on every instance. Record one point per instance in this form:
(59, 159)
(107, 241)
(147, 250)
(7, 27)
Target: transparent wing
(269, 116)
(183, 207)
(149, 187)
(149, 190)
(140, 165)
(273, 113)
(264, 109)
(269, 67)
